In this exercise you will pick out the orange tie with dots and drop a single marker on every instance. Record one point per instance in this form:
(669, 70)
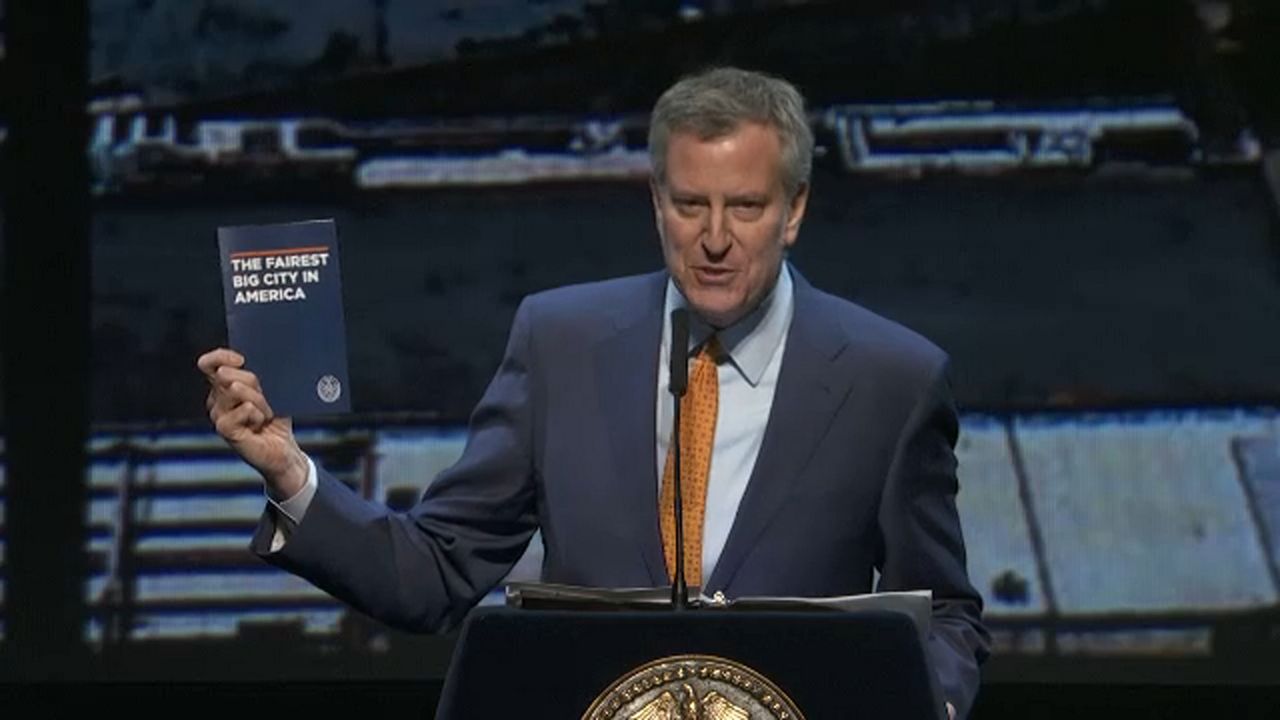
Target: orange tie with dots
(698, 410)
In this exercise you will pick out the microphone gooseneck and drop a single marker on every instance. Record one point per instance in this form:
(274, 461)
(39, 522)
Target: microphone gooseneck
(679, 385)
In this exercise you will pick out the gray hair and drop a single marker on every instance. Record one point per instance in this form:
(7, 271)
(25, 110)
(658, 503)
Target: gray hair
(714, 103)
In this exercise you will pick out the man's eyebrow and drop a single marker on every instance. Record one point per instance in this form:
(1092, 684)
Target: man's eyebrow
(747, 198)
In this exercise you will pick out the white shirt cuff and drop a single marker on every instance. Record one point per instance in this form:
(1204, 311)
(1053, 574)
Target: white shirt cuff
(291, 511)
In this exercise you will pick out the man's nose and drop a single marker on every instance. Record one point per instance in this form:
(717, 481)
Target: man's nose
(716, 240)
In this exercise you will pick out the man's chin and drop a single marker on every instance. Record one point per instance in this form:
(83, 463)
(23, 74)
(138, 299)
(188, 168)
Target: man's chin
(717, 315)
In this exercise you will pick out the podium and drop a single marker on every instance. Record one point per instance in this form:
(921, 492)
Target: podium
(557, 663)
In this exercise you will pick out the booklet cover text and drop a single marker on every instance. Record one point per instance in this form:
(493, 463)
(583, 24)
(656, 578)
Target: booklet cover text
(282, 289)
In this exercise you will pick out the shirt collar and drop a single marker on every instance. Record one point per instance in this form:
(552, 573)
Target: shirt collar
(751, 342)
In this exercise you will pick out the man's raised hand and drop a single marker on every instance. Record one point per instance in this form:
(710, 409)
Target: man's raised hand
(243, 418)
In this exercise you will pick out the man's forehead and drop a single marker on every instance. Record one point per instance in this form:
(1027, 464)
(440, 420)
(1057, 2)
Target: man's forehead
(747, 159)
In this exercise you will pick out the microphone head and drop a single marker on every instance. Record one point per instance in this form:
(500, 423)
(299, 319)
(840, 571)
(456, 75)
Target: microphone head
(679, 351)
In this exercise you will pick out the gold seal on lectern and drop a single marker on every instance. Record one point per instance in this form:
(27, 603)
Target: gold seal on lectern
(693, 687)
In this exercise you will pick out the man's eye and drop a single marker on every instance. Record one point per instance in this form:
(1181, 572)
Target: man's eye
(748, 210)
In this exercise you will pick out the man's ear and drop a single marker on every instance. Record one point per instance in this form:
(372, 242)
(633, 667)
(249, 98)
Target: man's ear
(795, 214)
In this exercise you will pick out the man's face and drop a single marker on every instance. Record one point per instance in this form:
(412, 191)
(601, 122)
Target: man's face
(725, 219)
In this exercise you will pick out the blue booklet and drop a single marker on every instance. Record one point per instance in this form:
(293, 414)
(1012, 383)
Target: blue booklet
(282, 289)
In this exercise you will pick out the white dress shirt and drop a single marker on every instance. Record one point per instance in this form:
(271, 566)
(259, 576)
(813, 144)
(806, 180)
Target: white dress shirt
(747, 382)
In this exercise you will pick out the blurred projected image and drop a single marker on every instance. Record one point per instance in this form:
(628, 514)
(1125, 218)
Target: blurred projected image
(1138, 533)
(1043, 183)
(1135, 534)
(1081, 211)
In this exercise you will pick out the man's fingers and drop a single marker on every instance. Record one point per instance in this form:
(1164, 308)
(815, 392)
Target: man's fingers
(219, 357)
(232, 386)
(226, 375)
(224, 398)
(237, 393)
(245, 416)
(230, 423)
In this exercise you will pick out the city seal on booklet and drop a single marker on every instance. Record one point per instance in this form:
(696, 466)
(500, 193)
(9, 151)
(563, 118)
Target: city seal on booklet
(282, 289)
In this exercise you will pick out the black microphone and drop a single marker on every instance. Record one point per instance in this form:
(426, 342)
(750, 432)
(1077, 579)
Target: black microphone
(679, 385)
(679, 352)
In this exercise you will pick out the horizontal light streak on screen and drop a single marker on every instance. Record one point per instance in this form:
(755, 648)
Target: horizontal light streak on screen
(1018, 642)
(195, 586)
(169, 472)
(106, 474)
(204, 625)
(191, 508)
(194, 541)
(180, 440)
(1163, 642)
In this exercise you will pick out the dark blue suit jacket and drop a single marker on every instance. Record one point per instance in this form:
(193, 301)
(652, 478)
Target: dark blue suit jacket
(856, 472)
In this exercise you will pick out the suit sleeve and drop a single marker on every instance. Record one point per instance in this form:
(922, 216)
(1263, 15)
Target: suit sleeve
(923, 546)
(423, 569)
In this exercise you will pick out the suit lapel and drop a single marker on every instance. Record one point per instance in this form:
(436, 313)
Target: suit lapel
(808, 393)
(626, 380)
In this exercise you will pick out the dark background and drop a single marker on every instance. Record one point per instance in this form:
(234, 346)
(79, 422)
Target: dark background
(1122, 286)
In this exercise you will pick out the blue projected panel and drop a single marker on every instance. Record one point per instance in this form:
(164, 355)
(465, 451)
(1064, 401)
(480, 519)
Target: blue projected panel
(1146, 524)
(170, 516)
(1147, 512)
(1087, 534)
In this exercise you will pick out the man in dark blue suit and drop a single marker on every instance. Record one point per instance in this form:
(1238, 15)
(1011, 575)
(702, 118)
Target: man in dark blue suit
(828, 443)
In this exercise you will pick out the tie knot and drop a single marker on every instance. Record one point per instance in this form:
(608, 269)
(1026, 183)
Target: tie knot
(711, 349)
